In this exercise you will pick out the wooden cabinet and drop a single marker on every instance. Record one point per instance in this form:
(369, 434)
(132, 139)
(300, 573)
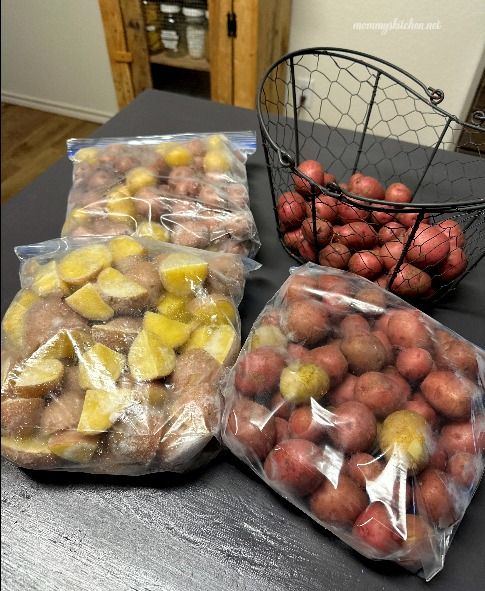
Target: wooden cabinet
(245, 37)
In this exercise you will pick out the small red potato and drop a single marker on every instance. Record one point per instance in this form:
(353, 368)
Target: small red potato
(362, 468)
(460, 437)
(390, 232)
(291, 210)
(429, 246)
(403, 384)
(293, 466)
(281, 408)
(464, 468)
(343, 392)
(333, 285)
(372, 296)
(398, 193)
(354, 324)
(364, 352)
(331, 359)
(367, 186)
(209, 196)
(191, 233)
(293, 239)
(406, 329)
(20, 416)
(335, 255)
(313, 170)
(417, 548)
(380, 393)
(329, 178)
(354, 427)
(448, 393)
(305, 424)
(325, 208)
(300, 287)
(389, 253)
(454, 354)
(237, 194)
(454, 232)
(382, 336)
(351, 213)
(410, 282)
(366, 263)
(340, 505)
(419, 405)
(382, 217)
(149, 203)
(374, 527)
(324, 231)
(253, 426)
(306, 322)
(297, 352)
(414, 363)
(356, 235)
(282, 431)
(409, 219)
(453, 266)
(438, 458)
(307, 251)
(434, 498)
(259, 372)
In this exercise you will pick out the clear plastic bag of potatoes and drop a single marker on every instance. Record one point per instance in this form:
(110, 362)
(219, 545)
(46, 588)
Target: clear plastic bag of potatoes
(113, 352)
(193, 185)
(363, 412)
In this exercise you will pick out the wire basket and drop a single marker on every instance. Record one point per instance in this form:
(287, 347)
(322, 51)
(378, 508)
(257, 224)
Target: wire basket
(365, 115)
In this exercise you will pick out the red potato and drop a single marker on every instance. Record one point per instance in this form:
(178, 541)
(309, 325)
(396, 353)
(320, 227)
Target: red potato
(464, 468)
(382, 217)
(409, 219)
(239, 225)
(307, 251)
(194, 234)
(392, 372)
(454, 232)
(429, 246)
(414, 363)
(209, 196)
(101, 179)
(457, 355)
(331, 284)
(372, 296)
(300, 287)
(354, 427)
(390, 232)
(313, 170)
(148, 203)
(374, 527)
(434, 498)
(439, 458)
(237, 195)
(328, 178)
(362, 468)
(305, 424)
(293, 239)
(390, 252)
(419, 405)
(462, 437)
(259, 372)
(125, 163)
(338, 505)
(325, 208)
(398, 193)
(343, 392)
(252, 426)
(367, 186)
(353, 179)
(281, 408)
(187, 187)
(306, 322)
(20, 416)
(448, 394)
(196, 147)
(293, 466)
(323, 233)
(179, 173)
(366, 264)
(406, 329)
(335, 255)
(282, 431)
(410, 282)
(364, 352)
(354, 324)
(297, 352)
(383, 321)
(453, 266)
(356, 235)
(291, 210)
(380, 393)
(351, 213)
(382, 336)
(331, 359)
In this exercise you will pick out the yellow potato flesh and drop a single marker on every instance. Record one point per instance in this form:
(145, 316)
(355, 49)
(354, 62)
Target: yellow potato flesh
(300, 383)
(222, 342)
(73, 446)
(149, 359)
(178, 156)
(153, 230)
(114, 284)
(87, 302)
(47, 281)
(14, 318)
(100, 367)
(89, 155)
(174, 307)
(213, 310)
(139, 177)
(81, 265)
(125, 246)
(267, 335)
(171, 333)
(120, 206)
(101, 409)
(38, 377)
(183, 273)
(406, 433)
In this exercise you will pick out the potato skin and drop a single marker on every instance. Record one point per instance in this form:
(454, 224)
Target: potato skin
(464, 468)
(252, 426)
(433, 497)
(448, 394)
(344, 391)
(362, 467)
(63, 412)
(453, 354)
(306, 322)
(282, 430)
(419, 405)
(406, 329)
(459, 437)
(20, 416)
(117, 334)
(353, 325)
(414, 363)
(331, 359)
(364, 353)
(258, 372)
(303, 424)
(354, 427)
(280, 407)
(373, 526)
(340, 505)
(380, 393)
(145, 274)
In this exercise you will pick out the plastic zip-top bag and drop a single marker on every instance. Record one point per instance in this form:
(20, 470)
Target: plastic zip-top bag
(363, 412)
(113, 352)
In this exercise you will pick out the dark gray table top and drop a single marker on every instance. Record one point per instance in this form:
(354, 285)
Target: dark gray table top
(218, 528)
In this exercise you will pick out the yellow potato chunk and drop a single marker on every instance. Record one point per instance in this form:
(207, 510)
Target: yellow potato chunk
(84, 264)
(47, 281)
(300, 383)
(213, 309)
(101, 409)
(13, 323)
(216, 141)
(73, 446)
(267, 335)
(222, 342)
(165, 147)
(178, 156)
(182, 273)
(153, 230)
(29, 452)
(217, 161)
(87, 302)
(139, 177)
(149, 359)
(89, 155)
(120, 206)
(125, 246)
(65, 344)
(171, 333)
(174, 307)
(100, 367)
(121, 292)
(118, 192)
(38, 377)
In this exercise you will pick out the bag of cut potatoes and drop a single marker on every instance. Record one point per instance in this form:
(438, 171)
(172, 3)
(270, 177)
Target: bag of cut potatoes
(113, 352)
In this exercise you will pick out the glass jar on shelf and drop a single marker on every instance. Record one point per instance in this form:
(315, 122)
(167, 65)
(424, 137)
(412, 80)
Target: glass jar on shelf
(151, 14)
(195, 31)
(172, 30)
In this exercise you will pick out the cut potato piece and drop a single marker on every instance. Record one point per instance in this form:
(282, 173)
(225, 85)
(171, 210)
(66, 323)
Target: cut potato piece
(20, 416)
(149, 359)
(14, 319)
(120, 206)
(171, 333)
(62, 412)
(222, 342)
(28, 452)
(267, 335)
(47, 281)
(87, 302)
(139, 177)
(38, 377)
(153, 230)
(73, 446)
(89, 155)
(213, 309)
(101, 409)
(118, 192)
(118, 334)
(84, 264)
(122, 293)
(66, 344)
(174, 307)
(125, 246)
(100, 367)
(183, 273)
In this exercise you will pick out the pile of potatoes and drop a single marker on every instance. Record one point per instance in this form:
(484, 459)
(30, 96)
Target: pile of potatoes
(370, 244)
(193, 193)
(112, 353)
(362, 411)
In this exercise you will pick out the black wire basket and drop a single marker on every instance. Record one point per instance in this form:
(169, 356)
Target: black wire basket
(365, 115)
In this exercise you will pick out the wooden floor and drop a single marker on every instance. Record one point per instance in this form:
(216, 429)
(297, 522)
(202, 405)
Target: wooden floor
(31, 141)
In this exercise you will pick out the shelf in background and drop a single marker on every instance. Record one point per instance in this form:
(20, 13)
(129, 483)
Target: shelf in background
(185, 62)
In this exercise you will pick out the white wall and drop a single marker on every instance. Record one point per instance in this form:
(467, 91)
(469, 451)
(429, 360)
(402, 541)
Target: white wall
(54, 58)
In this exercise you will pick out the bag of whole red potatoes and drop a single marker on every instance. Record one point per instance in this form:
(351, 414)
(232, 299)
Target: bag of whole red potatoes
(363, 412)
(113, 352)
